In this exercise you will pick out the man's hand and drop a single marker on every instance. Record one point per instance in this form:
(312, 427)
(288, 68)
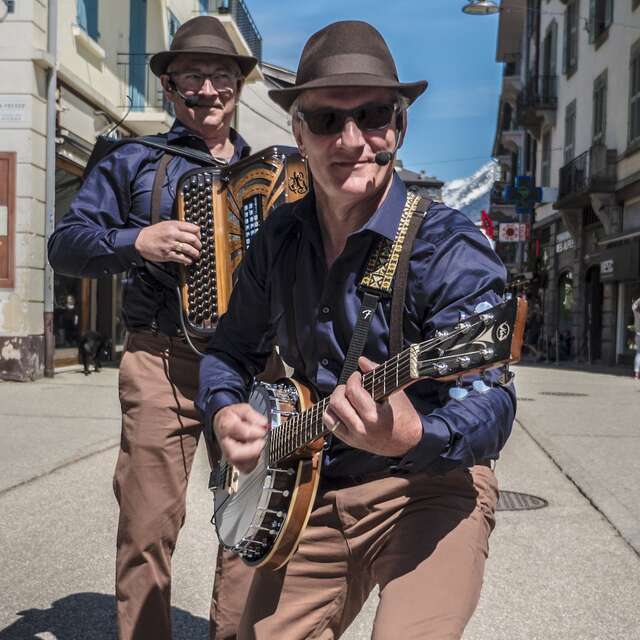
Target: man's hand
(390, 428)
(170, 241)
(241, 433)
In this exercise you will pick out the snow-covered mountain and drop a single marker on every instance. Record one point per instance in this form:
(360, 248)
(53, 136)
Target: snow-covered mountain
(471, 195)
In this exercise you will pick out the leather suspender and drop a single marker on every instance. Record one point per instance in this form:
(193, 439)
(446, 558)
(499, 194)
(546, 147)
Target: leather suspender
(402, 273)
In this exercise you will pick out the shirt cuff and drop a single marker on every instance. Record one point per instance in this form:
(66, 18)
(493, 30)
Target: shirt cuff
(124, 242)
(217, 401)
(436, 440)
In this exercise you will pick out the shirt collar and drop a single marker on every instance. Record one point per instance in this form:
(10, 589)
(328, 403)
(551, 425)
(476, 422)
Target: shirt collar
(181, 132)
(385, 219)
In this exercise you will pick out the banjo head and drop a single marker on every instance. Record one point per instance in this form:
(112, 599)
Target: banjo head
(249, 509)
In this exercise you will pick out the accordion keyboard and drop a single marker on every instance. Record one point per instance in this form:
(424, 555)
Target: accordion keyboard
(200, 277)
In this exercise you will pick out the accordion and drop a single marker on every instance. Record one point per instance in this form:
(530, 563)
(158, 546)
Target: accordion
(229, 204)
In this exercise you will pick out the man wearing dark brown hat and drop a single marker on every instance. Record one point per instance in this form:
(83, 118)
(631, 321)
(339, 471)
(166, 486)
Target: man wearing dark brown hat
(407, 493)
(109, 230)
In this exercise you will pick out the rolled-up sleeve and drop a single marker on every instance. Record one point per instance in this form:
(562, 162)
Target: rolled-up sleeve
(459, 273)
(93, 239)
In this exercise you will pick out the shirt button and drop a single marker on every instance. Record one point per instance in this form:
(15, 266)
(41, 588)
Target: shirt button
(106, 272)
(325, 310)
(324, 362)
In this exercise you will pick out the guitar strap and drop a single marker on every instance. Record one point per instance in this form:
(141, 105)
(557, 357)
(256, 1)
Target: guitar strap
(384, 260)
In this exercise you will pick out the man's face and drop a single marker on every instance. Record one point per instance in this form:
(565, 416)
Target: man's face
(214, 79)
(342, 163)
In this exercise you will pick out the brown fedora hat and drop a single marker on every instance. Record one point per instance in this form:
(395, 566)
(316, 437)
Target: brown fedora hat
(204, 35)
(349, 53)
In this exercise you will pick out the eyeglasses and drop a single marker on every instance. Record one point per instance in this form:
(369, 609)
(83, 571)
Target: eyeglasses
(368, 117)
(193, 80)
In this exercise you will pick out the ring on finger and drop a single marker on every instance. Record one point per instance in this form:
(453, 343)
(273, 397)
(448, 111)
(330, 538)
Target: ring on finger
(178, 248)
(334, 428)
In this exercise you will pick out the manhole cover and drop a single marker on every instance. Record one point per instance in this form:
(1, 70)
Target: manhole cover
(514, 501)
(564, 394)
(526, 399)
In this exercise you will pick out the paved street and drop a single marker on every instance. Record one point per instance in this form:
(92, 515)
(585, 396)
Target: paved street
(568, 571)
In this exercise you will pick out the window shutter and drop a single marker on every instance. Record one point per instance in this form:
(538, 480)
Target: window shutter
(592, 20)
(565, 47)
(608, 13)
(554, 48)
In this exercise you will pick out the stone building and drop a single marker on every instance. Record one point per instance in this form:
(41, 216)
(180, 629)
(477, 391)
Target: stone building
(70, 71)
(569, 115)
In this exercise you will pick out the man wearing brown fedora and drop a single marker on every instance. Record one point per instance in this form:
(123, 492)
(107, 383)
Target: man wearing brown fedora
(407, 493)
(109, 230)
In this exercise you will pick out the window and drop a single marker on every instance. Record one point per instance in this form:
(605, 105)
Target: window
(546, 159)
(174, 23)
(571, 24)
(570, 132)
(204, 7)
(635, 4)
(634, 94)
(87, 17)
(600, 108)
(600, 18)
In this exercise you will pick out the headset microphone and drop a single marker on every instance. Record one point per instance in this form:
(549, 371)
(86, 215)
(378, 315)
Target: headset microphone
(189, 101)
(384, 157)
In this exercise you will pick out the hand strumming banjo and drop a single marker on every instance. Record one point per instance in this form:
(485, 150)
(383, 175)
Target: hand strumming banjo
(261, 515)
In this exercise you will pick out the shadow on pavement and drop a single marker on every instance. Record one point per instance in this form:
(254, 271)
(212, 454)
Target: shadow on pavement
(90, 616)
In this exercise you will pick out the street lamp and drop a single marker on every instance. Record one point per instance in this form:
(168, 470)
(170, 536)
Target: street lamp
(481, 7)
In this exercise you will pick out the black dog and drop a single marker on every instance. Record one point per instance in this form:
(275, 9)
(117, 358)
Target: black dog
(93, 348)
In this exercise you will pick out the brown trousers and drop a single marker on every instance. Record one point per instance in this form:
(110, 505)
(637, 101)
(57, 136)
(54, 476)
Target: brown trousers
(422, 539)
(160, 432)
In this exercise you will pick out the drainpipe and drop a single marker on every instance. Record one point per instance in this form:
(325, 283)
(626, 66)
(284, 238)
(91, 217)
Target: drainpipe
(50, 197)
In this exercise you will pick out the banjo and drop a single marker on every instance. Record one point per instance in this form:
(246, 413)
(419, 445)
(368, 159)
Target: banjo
(261, 515)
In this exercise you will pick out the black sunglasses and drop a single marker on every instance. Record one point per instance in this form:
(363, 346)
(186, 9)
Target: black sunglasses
(329, 121)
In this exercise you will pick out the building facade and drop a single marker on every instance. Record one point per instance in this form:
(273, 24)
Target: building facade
(96, 53)
(570, 117)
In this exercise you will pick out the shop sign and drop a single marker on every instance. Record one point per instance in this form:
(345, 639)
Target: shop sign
(564, 242)
(607, 267)
(14, 110)
(513, 232)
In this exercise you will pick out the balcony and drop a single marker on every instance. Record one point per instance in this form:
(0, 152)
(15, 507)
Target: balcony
(538, 98)
(593, 171)
(496, 195)
(237, 10)
(141, 89)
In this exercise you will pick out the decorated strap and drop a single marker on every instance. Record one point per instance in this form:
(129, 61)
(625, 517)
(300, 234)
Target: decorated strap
(382, 263)
(376, 283)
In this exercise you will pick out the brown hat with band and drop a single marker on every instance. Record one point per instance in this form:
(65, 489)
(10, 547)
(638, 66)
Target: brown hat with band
(346, 54)
(205, 35)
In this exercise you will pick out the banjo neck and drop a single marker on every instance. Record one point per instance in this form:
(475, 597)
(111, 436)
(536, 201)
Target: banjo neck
(488, 339)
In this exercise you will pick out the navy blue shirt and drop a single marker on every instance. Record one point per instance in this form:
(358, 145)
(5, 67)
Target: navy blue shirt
(97, 236)
(286, 295)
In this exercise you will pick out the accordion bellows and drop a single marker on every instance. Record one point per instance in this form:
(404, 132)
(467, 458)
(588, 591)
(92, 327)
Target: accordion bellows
(229, 204)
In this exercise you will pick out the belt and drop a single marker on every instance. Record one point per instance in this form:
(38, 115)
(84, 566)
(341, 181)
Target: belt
(390, 472)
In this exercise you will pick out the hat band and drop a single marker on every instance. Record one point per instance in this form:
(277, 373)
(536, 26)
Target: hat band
(342, 63)
(205, 41)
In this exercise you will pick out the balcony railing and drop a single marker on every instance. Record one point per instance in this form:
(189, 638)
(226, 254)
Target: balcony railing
(592, 171)
(540, 92)
(139, 86)
(237, 9)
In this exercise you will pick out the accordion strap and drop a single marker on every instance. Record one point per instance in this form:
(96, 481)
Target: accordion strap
(377, 282)
(158, 182)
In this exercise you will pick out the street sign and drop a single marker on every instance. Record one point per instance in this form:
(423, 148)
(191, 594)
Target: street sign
(513, 232)
(523, 194)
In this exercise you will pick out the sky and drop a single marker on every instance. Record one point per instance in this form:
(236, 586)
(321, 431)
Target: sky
(452, 125)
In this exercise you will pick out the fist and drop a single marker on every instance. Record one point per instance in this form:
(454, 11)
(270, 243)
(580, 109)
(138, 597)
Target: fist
(170, 241)
(241, 432)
